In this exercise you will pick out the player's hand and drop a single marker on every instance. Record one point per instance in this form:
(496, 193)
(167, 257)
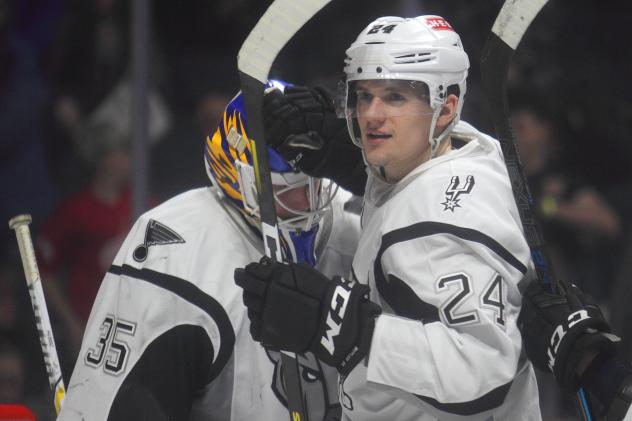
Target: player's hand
(295, 308)
(562, 331)
(301, 124)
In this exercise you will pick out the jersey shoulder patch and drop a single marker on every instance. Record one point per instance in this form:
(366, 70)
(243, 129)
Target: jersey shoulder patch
(455, 189)
(156, 233)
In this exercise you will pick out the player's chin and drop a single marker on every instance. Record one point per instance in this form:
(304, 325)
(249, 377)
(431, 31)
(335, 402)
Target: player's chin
(375, 155)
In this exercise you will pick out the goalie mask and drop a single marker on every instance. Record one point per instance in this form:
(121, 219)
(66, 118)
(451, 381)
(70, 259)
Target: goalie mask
(423, 52)
(229, 165)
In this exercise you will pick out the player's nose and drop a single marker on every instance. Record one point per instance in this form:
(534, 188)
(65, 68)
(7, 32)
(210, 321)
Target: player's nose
(375, 110)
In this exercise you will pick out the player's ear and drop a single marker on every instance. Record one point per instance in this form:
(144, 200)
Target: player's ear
(447, 112)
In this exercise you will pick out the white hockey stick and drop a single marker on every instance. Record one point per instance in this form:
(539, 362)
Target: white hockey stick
(20, 224)
(512, 22)
(275, 28)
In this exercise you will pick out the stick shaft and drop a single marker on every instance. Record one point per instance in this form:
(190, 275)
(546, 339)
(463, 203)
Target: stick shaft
(277, 26)
(44, 328)
(510, 25)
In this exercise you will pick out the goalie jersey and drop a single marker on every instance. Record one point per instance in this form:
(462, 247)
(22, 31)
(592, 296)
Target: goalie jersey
(444, 254)
(168, 336)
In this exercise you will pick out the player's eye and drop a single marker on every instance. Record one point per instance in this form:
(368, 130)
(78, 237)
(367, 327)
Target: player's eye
(364, 96)
(394, 98)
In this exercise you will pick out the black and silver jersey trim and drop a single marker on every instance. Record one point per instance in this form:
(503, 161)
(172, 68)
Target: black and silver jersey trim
(191, 293)
(488, 401)
(398, 294)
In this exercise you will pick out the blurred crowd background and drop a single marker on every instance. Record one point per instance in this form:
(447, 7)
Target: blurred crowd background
(65, 139)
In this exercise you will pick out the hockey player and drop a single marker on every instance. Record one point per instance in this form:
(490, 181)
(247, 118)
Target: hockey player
(168, 334)
(319, 146)
(441, 253)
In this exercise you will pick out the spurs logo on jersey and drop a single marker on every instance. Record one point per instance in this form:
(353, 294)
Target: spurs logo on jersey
(155, 234)
(454, 190)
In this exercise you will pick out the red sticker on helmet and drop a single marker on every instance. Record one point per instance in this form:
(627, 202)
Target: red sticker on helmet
(438, 24)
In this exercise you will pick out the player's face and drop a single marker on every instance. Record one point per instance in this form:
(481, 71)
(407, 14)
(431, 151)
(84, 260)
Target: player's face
(293, 199)
(394, 121)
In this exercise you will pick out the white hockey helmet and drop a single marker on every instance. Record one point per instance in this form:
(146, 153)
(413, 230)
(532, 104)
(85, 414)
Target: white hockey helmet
(424, 49)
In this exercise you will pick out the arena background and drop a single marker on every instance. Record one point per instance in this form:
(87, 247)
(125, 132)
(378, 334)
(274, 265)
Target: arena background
(73, 81)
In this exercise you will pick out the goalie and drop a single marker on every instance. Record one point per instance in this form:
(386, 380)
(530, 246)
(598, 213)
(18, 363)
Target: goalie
(168, 337)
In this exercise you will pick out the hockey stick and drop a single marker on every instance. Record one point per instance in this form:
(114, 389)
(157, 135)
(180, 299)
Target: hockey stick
(513, 20)
(275, 28)
(20, 224)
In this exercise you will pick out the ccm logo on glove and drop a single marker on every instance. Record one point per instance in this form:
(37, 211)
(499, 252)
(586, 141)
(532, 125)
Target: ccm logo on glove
(296, 308)
(561, 330)
(336, 313)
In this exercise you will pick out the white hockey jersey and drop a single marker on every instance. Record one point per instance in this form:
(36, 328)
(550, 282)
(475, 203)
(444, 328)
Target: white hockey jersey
(443, 253)
(169, 307)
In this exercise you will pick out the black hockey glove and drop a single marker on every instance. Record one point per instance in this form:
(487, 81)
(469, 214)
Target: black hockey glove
(561, 330)
(295, 308)
(302, 126)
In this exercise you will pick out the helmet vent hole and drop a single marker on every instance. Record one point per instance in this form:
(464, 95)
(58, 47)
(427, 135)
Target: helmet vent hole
(378, 69)
(413, 58)
(359, 69)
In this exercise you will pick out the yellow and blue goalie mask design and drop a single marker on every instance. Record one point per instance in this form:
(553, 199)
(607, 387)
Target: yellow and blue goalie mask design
(301, 200)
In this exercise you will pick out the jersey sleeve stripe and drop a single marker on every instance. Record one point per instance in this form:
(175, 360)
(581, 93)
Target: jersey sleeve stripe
(399, 296)
(486, 402)
(191, 293)
(403, 300)
(427, 228)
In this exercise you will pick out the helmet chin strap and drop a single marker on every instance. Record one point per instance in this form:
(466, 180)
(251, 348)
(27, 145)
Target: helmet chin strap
(435, 141)
(375, 169)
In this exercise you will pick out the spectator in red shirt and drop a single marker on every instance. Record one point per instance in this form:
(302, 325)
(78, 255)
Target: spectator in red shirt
(80, 238)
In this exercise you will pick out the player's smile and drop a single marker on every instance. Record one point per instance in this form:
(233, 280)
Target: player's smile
(376, 137)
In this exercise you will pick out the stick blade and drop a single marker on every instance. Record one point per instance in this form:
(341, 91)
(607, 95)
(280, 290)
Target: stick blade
(514, 18)
(275, 28)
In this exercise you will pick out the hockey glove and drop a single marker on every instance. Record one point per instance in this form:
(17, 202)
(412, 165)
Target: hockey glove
(560, 330)
(302, 126)
(295, 308)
